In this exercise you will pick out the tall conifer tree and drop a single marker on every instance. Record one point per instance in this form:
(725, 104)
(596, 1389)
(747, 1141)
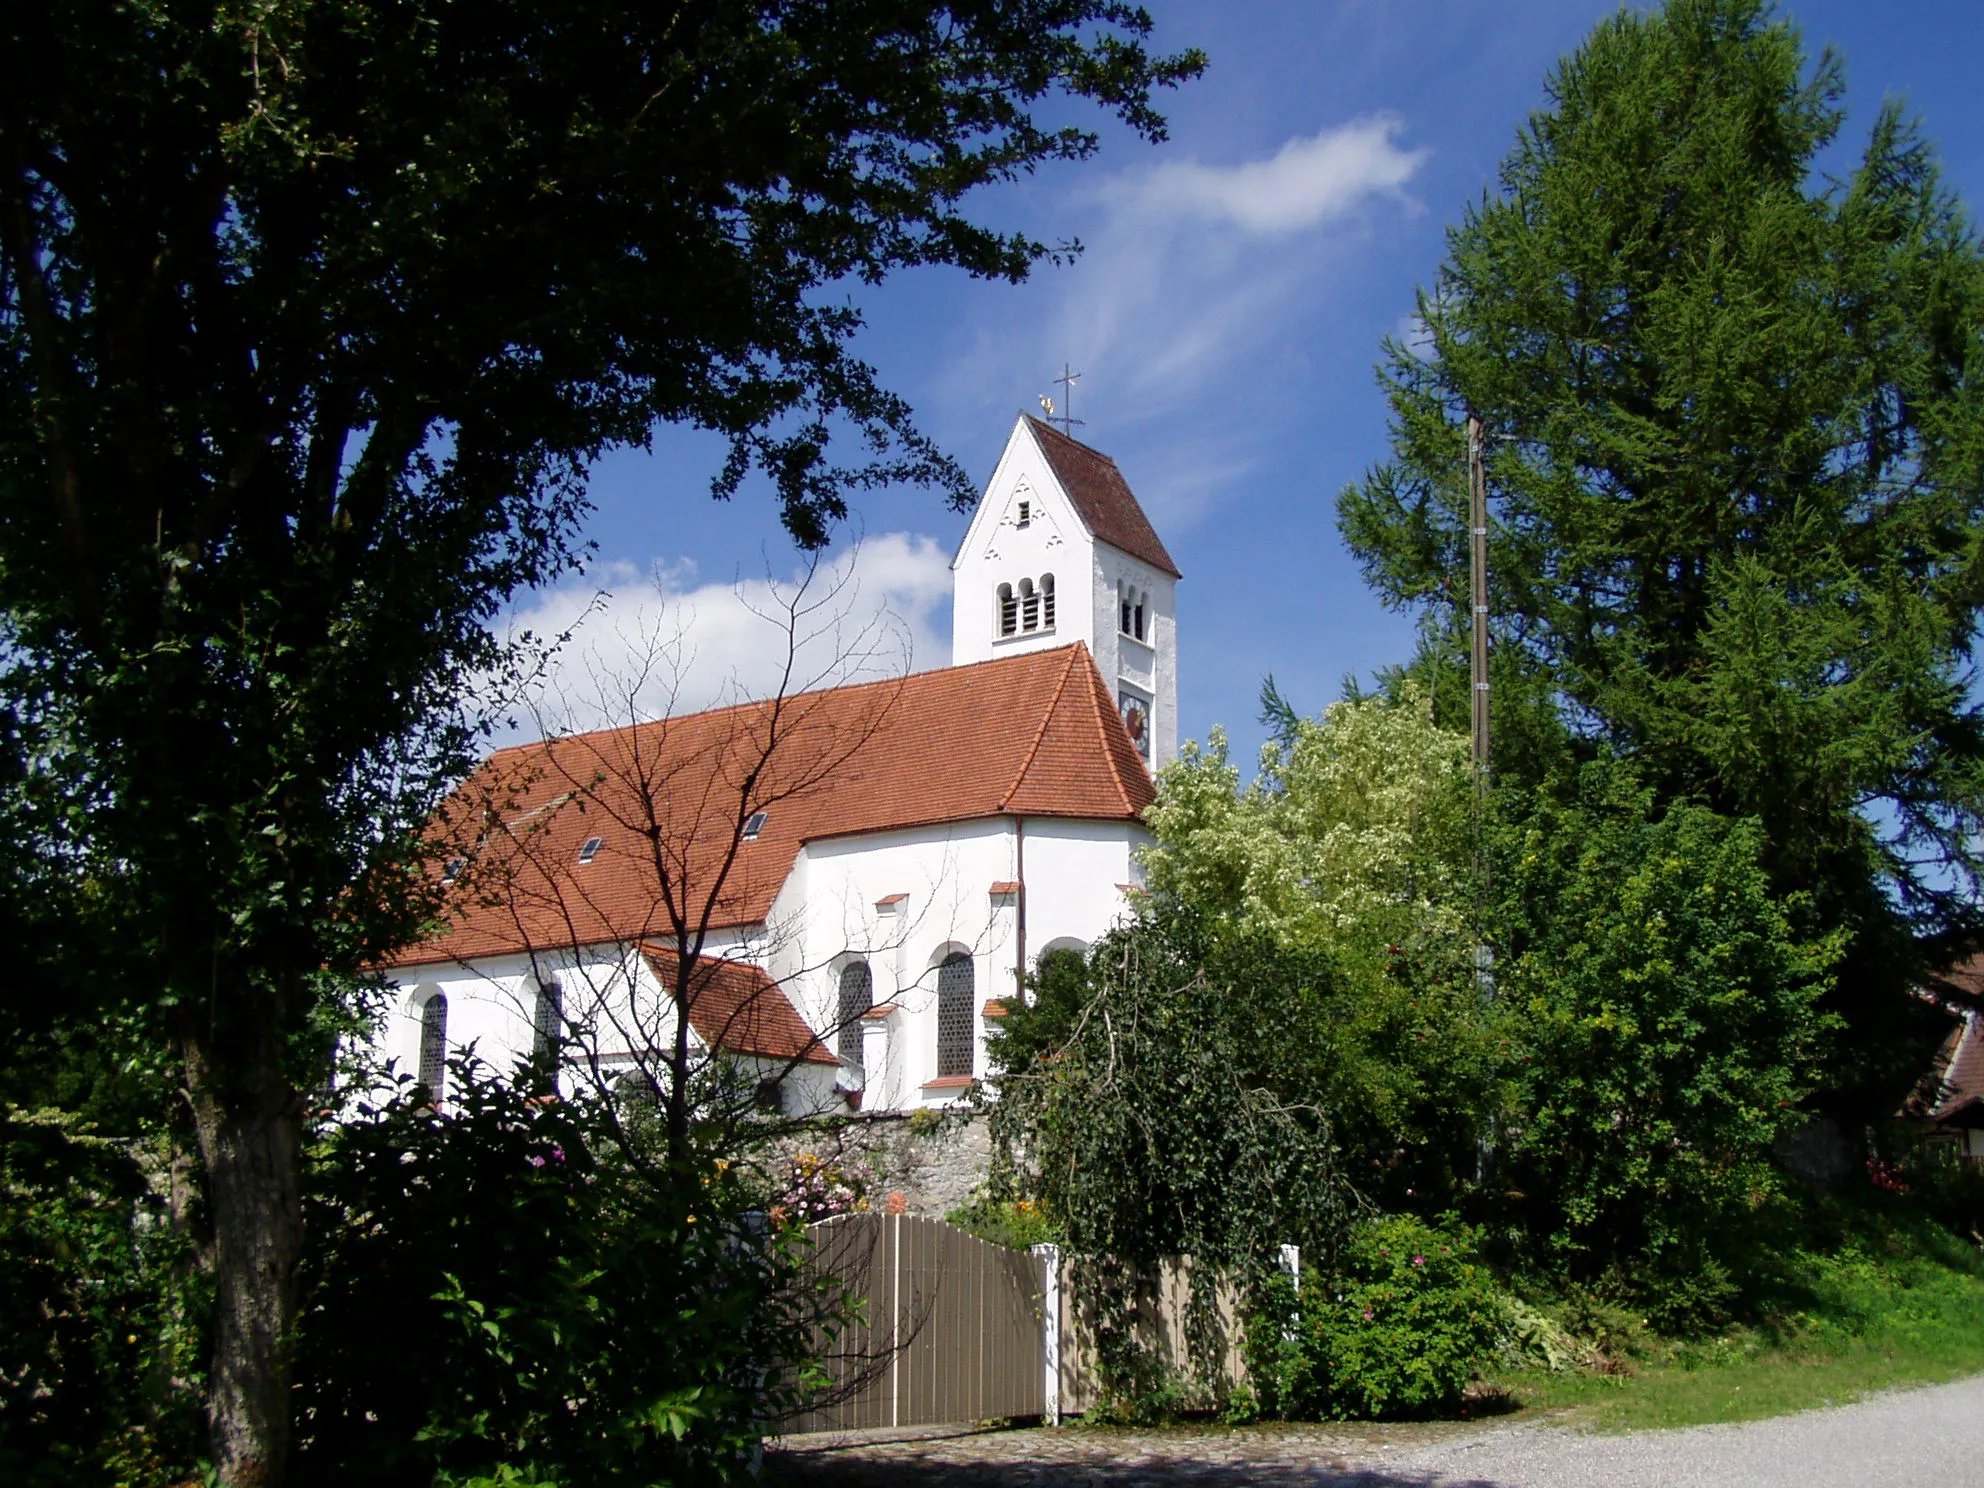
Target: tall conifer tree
(1736, 408)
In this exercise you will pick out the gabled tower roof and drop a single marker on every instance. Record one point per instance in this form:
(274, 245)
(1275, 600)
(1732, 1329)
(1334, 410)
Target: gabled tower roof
(1101, 496)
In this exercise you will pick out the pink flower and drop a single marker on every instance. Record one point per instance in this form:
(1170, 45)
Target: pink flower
(557, 1154)
(1419, 1260)
(537, 1162)
(1367, 1314)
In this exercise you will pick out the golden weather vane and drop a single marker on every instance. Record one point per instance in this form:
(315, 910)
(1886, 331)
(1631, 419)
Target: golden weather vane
(1065, 418)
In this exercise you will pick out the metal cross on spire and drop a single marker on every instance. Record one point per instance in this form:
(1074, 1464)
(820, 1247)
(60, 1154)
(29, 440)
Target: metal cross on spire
(1065, 418)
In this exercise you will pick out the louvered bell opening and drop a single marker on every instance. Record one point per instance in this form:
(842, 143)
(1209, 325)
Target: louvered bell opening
(1009, 611)
(1047, 602)
(954, 1004)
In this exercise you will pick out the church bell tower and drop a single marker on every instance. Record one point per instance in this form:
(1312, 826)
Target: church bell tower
(1060, 551)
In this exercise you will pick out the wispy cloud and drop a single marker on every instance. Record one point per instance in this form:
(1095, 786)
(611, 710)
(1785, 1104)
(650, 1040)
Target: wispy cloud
(1309, 181)
(627, 644)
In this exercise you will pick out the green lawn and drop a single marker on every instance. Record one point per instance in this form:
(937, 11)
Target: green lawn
(1886, 1312)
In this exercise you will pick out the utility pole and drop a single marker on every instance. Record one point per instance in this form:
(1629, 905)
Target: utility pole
(1477, 593)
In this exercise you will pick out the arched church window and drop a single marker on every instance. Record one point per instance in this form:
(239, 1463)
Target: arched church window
(1123, 615)
(1009, 611)
(1047, 601)
(857, 995)
(1029, 606)
(434, 1046)
(954, 1003)
(1143, 598)
(547, 1020)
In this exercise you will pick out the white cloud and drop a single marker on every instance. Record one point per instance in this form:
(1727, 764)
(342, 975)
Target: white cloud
(665, 642)
(1309, 181)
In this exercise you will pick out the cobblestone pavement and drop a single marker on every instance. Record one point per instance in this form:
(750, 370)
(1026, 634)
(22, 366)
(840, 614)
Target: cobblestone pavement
(1927, 1436)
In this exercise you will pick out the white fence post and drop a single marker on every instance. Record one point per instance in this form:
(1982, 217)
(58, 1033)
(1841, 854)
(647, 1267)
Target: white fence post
(1291, 1266)
(1050, 1334)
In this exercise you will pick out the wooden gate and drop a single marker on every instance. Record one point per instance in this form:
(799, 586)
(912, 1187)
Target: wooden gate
(950, 1326)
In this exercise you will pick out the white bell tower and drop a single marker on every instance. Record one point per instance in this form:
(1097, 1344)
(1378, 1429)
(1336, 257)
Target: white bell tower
(1061, 551)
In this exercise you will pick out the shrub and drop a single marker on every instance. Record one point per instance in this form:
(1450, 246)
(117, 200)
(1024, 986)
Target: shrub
(1393, 1329)
(503, 1293)
(1019, 1223)
(1666, 1021)
(101, 1315)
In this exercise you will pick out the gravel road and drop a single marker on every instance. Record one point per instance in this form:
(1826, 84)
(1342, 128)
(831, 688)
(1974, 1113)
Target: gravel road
(1932, 1436)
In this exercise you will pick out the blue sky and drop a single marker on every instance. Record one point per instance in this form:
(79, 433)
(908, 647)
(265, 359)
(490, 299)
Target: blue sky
(1225, 319)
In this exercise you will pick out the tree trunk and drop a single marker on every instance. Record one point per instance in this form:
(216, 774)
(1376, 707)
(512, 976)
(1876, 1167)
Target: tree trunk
(250, 1131)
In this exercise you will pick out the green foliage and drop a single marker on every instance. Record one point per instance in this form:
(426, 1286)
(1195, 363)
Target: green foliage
(1761, 587)
(1182, 1113)
(1665, 1010)
(1394, 1328)
(1350, 857)
(100, 1315)
(1019, 1223)
(501, 1290)
(1865, 1295)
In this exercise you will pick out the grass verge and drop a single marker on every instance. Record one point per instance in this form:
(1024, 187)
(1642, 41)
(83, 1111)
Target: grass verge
(1889, 1305)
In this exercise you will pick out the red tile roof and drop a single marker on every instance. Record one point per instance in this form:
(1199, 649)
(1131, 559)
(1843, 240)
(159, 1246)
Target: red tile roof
(1959, 1078)
(1101, 495)
(737, 1007)
(1034, 735)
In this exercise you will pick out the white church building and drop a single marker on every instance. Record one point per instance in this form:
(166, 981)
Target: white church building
(869, 869)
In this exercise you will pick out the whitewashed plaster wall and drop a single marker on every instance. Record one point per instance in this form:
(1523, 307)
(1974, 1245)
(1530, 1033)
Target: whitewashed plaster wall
(997, 550)
(903, 901)
(1146, 668)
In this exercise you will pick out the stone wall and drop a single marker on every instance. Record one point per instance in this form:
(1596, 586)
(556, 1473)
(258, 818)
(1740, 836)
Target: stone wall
(937, 1162)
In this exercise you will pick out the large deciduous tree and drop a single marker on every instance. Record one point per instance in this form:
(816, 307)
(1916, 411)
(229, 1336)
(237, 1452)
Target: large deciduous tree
(311, 318)
(1735, 411)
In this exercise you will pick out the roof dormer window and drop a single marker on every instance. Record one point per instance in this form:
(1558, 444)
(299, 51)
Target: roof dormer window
(754, 824)
(589, 849)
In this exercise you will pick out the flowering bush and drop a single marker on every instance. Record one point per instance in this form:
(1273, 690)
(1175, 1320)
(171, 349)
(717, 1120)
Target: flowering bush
(817, 1188)
(1393, 1329)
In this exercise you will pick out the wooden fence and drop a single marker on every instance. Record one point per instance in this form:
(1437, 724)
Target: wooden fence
(954, 1328)
(950, 1327)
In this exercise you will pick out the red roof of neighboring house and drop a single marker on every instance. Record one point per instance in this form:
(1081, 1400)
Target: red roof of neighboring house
(1955, 1081)
(1102, 496)
(1035, 735)
(737, 1007)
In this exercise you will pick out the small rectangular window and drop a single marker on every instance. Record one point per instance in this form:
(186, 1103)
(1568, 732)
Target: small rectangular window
(453, 870)
(590, 848)
(1026, 515)
(753, 825)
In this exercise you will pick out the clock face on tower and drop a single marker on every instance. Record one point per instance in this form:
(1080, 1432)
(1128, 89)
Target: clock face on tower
(1136, 718)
